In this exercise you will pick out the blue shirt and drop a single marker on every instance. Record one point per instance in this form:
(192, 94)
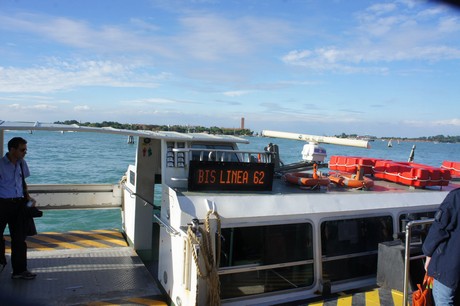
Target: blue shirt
(11, 177)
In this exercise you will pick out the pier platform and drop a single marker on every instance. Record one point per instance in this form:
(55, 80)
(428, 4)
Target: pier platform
(81, 268)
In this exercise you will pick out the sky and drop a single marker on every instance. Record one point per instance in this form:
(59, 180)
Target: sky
(320, 67)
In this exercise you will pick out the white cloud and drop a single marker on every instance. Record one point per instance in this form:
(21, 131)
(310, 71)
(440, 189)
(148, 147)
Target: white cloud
(334, 59)
(448, 122)
(81, 34)
(158, 102)
(453, 122)
(381, 38)
(144, 25)
(14, 106)
(202, 36)
(147, 101)
(236, 93)
(82, 108)
(61, 75)
(430, 12)
(214, 37)
(381, 8)
(449, 25)
(43, 107)
(296, 55)
(37, 107)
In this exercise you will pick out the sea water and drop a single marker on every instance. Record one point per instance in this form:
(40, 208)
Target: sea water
(85, 158)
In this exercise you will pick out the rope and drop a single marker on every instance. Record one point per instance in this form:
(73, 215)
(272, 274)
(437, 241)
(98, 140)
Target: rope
(413, 178)
(205, 244)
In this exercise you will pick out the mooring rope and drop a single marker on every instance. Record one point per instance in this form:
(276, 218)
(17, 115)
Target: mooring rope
(211, 265)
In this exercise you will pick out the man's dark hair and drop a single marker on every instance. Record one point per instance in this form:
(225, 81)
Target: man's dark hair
(15, 142)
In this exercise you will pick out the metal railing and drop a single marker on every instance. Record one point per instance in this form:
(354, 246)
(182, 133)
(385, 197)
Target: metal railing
(169, 229)
(226, 155)
(134, 194)
(407, 256)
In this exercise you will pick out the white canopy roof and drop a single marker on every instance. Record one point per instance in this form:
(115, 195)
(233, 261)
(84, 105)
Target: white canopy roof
(175, 136)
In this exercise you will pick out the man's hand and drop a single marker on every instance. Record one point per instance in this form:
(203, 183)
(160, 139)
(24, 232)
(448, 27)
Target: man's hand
(427, 262)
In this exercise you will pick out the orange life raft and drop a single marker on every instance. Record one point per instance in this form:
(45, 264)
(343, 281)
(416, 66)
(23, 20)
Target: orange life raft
(406, 173)
(411, 174)
(453, 167)
(351, 180)
(307, 179)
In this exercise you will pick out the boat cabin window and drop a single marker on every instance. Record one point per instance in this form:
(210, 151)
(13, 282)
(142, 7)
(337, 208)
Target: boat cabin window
(261, 259)
(350, 247)
(405, 218)
(211, 153)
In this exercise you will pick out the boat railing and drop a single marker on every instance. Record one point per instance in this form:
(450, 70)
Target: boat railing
(259, 267)
(169, 229)
(208, 154)
(407, 255)
(76, 196)
(348, 256)
(134, 194)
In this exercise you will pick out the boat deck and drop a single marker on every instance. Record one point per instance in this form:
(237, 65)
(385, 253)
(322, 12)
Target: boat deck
(81, 268)
(280, 186)
(380, 185)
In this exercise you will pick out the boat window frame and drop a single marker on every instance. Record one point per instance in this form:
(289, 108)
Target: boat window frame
(223, 271)
(324, 259)
(256, 267)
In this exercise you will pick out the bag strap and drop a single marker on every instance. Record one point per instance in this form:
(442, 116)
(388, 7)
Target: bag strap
(24, 185)
(428, 281)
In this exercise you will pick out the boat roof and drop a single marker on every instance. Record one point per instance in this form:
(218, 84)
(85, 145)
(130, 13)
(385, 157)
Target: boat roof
(166, 135)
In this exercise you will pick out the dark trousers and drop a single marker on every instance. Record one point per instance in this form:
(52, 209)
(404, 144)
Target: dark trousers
(11, 213)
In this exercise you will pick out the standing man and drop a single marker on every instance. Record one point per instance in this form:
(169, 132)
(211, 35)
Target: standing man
(13, 199)
(442, 248)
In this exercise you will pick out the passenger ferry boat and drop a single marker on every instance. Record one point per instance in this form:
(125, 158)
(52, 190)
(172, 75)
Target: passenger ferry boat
(232, 231)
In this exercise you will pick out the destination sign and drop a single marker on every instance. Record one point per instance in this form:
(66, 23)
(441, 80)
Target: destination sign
(205, 175)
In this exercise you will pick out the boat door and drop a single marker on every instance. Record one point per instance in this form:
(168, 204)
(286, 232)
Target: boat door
(140, 179)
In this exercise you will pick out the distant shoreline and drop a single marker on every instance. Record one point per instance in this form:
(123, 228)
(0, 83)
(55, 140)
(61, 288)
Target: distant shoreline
(248, 132)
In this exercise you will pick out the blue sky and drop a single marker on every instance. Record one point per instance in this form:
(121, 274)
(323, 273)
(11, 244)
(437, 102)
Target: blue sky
(383, 68)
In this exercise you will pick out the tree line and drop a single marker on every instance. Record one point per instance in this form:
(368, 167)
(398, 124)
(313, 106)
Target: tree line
(153, 127)
(437, 138)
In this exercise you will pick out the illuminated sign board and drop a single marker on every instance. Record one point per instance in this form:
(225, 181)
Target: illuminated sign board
(205, 175)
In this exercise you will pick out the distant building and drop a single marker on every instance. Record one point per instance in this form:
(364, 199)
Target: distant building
(242, 123)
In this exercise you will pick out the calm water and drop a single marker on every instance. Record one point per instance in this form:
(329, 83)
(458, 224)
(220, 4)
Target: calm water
(81, 158)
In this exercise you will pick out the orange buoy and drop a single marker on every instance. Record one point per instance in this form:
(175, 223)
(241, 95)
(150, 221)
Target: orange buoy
(357, 180)
(307, 179)
(350, 180)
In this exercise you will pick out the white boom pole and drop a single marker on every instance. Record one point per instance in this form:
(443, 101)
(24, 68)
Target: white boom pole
(318, 139)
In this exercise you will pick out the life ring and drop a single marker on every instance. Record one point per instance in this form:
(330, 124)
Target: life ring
(307, 179)
(351, 180)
